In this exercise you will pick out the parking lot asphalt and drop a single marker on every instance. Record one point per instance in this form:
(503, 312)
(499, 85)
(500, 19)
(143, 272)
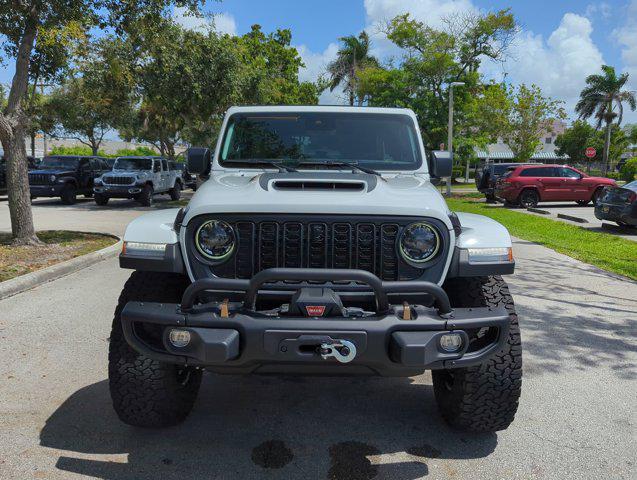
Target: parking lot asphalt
(85, 215)
(577, 417)
(586, 213)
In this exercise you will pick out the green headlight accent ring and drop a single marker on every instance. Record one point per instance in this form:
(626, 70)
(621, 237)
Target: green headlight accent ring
(431, 255)
(216, 258)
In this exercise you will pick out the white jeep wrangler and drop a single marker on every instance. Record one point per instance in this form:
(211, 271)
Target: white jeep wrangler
(318, 245)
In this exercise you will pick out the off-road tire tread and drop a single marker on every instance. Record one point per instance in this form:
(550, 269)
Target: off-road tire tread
(145, 392)
(484, 398)
(100, 199)
(175, 192)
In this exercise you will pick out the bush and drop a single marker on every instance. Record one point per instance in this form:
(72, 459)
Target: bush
(629, 170)
(138, 151)
(78, 150)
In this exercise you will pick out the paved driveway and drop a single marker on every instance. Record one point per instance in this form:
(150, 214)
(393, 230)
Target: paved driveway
(587, 213)
(85, 215)
(577, 417)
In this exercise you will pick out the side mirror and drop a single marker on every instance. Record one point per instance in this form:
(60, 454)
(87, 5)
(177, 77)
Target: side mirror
(198, 160)
(440, 164)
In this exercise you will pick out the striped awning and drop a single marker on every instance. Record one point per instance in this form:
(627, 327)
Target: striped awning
(483, 154)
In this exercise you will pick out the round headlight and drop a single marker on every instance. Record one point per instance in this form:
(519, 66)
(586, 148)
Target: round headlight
(52, 178)
(419, 242)
(215, 240)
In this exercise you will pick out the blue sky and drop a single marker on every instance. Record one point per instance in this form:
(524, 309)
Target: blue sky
(561, 41)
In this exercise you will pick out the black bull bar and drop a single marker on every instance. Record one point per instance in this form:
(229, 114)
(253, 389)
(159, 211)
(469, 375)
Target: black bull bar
(244, 340)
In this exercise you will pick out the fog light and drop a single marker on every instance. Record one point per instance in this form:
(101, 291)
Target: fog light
(179, 338)
(451, 342)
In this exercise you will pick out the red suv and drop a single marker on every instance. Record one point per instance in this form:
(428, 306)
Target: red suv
(527, 185)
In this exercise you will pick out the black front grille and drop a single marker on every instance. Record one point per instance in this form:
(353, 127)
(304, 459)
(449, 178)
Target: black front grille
(108, 180)
(306, 242)
(39, 179)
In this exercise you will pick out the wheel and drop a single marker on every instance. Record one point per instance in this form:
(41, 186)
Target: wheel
(68, 195)
(583, 203)
(146, 196)
(596, 196)
(101, 199)
(175, 192)
(529, 199)
(145, 392)
(482, 398)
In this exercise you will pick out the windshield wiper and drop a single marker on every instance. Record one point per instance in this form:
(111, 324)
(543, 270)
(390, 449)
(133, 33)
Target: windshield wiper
(352, 165)
(282, 168)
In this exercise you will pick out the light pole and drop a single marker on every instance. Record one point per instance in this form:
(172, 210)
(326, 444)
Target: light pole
(450, 129)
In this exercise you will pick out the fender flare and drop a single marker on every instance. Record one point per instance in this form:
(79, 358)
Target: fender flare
(156, 228)
(479, 231)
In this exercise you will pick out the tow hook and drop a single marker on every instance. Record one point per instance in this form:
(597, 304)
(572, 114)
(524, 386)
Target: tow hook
(342, 350)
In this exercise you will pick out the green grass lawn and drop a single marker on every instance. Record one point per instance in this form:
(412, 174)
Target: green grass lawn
(603, 250)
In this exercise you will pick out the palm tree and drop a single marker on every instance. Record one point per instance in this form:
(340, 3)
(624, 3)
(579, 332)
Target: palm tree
(352, 57)
(603, 97)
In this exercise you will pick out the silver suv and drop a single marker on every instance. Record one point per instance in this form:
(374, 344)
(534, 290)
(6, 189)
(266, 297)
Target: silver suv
(139, 178)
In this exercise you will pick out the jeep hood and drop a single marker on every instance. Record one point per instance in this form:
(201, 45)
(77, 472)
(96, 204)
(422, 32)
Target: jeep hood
(53, 171)
(318, 193)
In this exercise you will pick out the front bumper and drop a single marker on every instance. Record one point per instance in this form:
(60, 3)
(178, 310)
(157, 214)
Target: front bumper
(46, 190)
(118, 191)
(244, 340)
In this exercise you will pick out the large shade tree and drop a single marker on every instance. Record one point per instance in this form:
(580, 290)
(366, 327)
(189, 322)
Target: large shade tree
(352, 57)
(603, 98)
(24, 27)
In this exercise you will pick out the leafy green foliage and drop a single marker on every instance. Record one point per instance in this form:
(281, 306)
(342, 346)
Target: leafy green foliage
(603, 98)
(433, 58)
(75, 150)
(628, 171)
(352, 57)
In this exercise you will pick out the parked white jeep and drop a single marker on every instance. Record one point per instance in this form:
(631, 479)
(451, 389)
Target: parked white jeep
(318, 245)
(139, 178)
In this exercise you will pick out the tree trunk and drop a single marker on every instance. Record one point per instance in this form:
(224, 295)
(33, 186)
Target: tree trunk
(33, 144)
(22, 227)
(12, 133)
(606, 149)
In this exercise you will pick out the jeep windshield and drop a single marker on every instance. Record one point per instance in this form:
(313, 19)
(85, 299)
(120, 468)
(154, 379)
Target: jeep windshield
(132, 164)
(321, 140)
(56, 163)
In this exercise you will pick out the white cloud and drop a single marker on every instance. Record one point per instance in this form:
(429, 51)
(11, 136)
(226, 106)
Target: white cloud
(225, 23)
(558, 65)
(315, 66)
(221, 22)
(602, 9)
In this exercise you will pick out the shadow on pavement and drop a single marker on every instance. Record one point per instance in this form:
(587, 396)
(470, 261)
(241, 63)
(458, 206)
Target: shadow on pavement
(257, 426)
(575, 325)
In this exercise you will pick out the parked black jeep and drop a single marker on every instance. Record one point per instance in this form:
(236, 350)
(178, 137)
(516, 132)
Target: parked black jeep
(189, 180)
(487, 174)
(3, 172)
(66, 176)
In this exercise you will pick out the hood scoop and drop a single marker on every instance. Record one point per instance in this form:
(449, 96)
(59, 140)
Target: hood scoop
(319, 185)
(312, 182)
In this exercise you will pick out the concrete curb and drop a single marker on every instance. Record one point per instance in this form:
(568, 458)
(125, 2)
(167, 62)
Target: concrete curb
(31, 280)
(572, 218)
(537, 210)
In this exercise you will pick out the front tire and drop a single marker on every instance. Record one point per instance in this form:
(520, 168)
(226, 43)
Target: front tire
(175, 192)
(100, 199)
(482, 398)
(69, 195)
(146, 196)
(145, 392)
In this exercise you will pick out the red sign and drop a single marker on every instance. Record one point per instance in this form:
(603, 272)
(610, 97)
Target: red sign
(591, 152)
(315, 310)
